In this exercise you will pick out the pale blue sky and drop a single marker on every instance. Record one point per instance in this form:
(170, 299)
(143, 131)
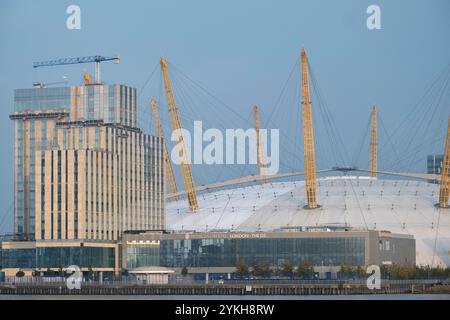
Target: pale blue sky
(244, 51)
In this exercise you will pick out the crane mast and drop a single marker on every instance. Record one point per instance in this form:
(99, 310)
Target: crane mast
(445, 177)
(308, 137)
(373, 144)
(159, 131)
(262, 164)
(186, 171)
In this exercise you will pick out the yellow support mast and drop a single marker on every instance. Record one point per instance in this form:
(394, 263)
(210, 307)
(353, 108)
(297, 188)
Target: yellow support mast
(308, 137)
(373, 144)
(159, 131)
(262, 164)
(186, 170)
(445, 177)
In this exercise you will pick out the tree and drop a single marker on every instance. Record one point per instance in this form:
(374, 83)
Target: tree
(50, 272)
(346, 270)
(184, 271)
(241, 267)
(20, 274)
(262, 269)
(360, 272)
(90, 273)
(287, 268)
(305, 269)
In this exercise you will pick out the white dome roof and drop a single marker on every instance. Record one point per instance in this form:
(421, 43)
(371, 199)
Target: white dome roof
(399, 206)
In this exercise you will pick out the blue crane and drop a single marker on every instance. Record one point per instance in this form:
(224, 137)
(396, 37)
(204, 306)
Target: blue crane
(89, 59)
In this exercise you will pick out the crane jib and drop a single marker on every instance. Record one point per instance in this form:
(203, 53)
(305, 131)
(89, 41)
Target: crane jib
(76, 60)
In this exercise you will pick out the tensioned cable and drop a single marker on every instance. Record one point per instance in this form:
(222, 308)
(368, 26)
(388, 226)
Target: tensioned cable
(229, 108)
(436, 106)
(416, 115)
(361, 144)
(222, 103)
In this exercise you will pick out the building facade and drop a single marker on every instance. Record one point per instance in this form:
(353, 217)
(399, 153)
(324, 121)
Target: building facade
(83, 174)
(434, 163)
(83, 170)
(216, 252)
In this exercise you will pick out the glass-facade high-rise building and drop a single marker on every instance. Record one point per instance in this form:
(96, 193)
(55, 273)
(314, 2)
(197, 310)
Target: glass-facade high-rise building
(434, 163)
(83, 170)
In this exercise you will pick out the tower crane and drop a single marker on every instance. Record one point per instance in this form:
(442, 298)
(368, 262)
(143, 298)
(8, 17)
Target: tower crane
(159, 131)
(308, 138)
(89, 59)
(186, 170)
(373, 144)
(45, 85)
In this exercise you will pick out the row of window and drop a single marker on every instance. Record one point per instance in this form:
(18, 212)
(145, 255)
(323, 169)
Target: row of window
(226, 252)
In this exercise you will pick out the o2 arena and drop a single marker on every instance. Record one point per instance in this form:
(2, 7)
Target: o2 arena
(332, 217)
(353, 202)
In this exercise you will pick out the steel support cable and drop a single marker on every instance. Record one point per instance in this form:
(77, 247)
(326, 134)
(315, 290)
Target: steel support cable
(278, 103)
(361, 144)
(411, 155)
(224, 127)
(281, 132)
(285, 118)
(335, 153)
(183, 117)
(436, 106)
(332, 132)
(297, 119)
(389, 139)
(397, 165)
(140, 92)
(328, 117)
(282, 91)
(187, 97)
(185, 90)
(418, 115)
(359, 204)
(418, 104)
(206, 91)
(219, 173)
(184, 102)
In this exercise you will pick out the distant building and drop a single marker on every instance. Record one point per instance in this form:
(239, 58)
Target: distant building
(83, 173)
(434, 163)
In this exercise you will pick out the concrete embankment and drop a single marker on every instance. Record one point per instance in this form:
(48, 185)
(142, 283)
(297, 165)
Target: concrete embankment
(227, 289)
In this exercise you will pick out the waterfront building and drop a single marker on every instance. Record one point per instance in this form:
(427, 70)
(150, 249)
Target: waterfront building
(217, 253)
(83, 173)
